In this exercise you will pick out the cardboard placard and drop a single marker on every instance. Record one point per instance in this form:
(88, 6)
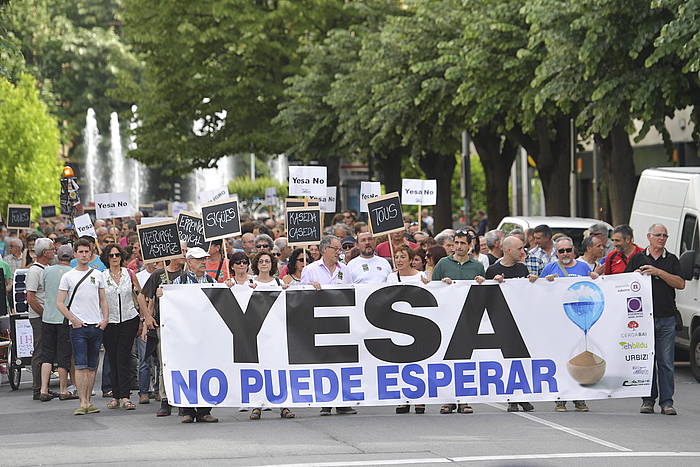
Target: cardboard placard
(385, 215)
(110, 205)
(368, 190)
(327, 203)
(303, 225)
(19, 216)
(300, 202)
(90, 212)
(307, 181)
(221, 219)
(84, 226)
(48, 211)
(418, 192)
(271, 196)
(191, 230)
(159, 241)
(209, 196)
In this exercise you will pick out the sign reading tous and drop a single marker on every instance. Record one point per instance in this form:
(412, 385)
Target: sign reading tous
(271, 196)
(300, 202)
(368, 190)
(418, 192)
(385, 214)
(191, 230)
(303, 225)
(84, 226)
(48, 211)
(159, 241)
(327, 203)
(209, 196)
(18, 216)
(109, 205)
(307, 181)
(221, 219)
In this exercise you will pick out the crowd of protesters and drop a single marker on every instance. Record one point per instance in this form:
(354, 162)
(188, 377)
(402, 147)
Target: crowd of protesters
(91, 292)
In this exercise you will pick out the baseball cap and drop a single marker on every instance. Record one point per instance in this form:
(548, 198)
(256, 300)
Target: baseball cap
(196, 252)
(348, 239)
(64, 252)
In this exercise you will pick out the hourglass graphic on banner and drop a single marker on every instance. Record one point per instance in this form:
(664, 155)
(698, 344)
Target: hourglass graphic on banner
(584, 304)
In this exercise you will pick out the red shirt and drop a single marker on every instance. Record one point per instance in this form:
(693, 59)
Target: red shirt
(384, 251)
(616, 262)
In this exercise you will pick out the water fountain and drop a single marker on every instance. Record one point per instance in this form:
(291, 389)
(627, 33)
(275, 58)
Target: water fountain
(92, 140)
(215, 177)
(116, 156)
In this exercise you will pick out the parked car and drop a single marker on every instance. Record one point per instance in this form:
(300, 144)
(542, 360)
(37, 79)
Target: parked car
(671, 196)
(573, 227)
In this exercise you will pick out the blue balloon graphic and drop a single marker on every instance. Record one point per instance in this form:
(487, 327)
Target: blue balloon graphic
(584, 304)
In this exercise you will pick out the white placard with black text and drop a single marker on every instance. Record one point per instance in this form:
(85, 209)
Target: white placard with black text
(327, 203)
(418, 192)
(368, 190)
(110, 205)
(83, 226)
(307, 181)
(209, 196)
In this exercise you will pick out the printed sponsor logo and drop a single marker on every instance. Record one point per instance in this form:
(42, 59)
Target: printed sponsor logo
(640, 370)
(633, 334)
(635, 286)
(637, 357)
(634, 307)
(633, 325)
(633, 345)
(637, 382)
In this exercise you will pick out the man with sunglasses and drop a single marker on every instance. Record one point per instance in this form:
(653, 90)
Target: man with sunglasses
(665, 272)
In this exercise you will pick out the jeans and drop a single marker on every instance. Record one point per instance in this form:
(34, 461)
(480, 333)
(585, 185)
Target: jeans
(106, 375)
(118, 340)
(146, 360)
(664, 348)
(86, 341)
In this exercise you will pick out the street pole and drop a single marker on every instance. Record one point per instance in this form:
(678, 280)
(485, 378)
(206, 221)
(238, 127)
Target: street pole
(466, 177)
(572, 174)
(596, 186)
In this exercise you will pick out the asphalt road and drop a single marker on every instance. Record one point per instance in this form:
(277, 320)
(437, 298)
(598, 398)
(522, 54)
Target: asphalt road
(612, 433)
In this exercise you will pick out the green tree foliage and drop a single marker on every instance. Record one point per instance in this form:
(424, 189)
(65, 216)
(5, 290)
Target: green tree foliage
(30, 166)
(249, 189)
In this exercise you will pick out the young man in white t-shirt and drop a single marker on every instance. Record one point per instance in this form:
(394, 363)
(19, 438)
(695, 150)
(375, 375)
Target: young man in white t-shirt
(368, 268)
(88, 314)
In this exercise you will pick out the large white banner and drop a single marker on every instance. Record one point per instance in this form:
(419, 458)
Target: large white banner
(570, 339)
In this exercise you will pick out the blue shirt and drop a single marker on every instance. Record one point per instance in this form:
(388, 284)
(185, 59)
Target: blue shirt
(578, 269)
(94, 264)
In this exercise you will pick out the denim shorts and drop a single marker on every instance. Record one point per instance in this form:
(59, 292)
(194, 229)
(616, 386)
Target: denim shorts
(86, 341)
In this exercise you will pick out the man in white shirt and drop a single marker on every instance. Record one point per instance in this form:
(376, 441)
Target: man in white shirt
(88, 314)
(368, 268)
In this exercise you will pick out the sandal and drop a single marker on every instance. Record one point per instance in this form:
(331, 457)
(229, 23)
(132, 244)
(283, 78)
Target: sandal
(420, 408)
(113, 404)
(465, 408)
(128, 405)
(403, 408)
(255, 414)
(286, 413)
(447, 409)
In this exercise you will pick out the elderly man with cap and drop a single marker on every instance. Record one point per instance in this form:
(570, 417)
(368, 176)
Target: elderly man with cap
(196, 267)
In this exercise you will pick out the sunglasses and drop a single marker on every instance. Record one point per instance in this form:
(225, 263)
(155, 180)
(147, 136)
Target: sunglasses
(565, 250)
(301, 260)
(262, 245)
(277, 254)
(348, 246)
(241, 261)
(115, 255)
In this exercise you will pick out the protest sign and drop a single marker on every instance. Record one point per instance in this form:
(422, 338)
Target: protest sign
(327, 203)
(418, 192)
(175, 207)
(385, 215)
(152, 220)
(300, 202)
(303, 226)
(109, 205)
(209, 196)
(191, 230)
(221, 220)
(48, 211)
(368, 190)
(90, 211)
(271, 196)
(307, 181)
(84, 226)
(159, 241)
(408, 344)
(18, 216)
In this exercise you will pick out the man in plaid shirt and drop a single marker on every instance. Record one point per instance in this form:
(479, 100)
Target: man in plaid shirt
(544, 253)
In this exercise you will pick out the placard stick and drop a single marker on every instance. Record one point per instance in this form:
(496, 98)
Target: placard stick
(269, 212)
(391, 249)
(224, 256)
(420, 215)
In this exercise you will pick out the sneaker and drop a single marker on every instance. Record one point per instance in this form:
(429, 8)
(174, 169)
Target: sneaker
(581, 406)
(647, 407)
(512, 407)
(187, 419)
(165, 409)
(345, 411)
(527, 407)
(668, 410)
(325, 411)
(560, 406)
(143, 399)
(80, 411)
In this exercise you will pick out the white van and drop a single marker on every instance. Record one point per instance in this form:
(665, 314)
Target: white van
(671, 196)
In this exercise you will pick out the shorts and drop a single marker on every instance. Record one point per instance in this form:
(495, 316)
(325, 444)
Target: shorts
(55, 344)
(86, 342)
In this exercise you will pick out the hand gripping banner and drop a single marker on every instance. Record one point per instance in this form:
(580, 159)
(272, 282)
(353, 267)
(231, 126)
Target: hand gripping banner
(570, 339)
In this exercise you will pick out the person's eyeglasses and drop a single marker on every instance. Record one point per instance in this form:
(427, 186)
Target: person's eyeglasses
(262, 245)
(660, 235)
(267, 260)
(241, 261)
(334, 248)
(301, 260)
(347, 217)
(277, 254)
(348, 246)
(115, 255)
(565, 250)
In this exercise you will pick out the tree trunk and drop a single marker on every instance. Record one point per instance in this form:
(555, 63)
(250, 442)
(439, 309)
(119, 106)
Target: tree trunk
(496, 155)
(390, 168)
(620, 179)
(441, 168)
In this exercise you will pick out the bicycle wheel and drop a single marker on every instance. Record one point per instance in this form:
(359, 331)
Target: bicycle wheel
(15, 374)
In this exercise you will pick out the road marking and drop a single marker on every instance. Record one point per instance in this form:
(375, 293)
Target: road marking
(565, 429)
(514, 457)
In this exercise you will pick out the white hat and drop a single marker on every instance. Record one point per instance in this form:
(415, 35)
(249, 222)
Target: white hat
(196, 252)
